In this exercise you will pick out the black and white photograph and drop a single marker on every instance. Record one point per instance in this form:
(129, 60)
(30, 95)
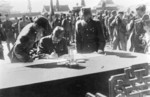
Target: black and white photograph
(74, 48)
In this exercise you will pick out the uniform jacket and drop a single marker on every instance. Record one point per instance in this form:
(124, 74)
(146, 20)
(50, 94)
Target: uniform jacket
(46, 46)
(89, 36)
(24, 44)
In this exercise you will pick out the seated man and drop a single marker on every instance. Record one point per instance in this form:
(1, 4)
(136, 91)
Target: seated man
(53, 45)
(26, 39)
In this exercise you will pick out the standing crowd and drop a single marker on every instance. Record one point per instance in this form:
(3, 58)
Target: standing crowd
(48, 36)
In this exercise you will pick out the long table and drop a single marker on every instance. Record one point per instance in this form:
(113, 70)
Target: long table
(46, 78)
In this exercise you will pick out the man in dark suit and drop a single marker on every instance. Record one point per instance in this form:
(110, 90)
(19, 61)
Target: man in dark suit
(26, 39)
(54, 45)
(89, 34)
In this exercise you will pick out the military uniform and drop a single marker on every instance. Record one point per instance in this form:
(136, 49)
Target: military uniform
(24, 44)
(46, 46)
(89, 36)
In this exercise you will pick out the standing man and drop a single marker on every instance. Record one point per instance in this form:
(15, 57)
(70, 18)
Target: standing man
(22, 23)
(137, 28)
(89, 34)
(111, 28)
(8, 30)
(119, 35)
(67, 25)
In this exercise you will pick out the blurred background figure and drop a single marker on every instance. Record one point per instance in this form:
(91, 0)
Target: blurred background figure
(120, 31)
(67, 25)
(8, 30)
(2, 38)
(111, 28)
(22, 23)
(15, 27)
(135, 42)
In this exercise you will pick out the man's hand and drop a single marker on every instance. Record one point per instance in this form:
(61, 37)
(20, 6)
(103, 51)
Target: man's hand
(54, 55)
(101, 52)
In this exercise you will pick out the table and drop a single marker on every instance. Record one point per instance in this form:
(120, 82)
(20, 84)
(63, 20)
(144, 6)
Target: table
(46, 71)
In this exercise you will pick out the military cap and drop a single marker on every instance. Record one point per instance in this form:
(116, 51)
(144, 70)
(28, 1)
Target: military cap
(141, 7)
(86, 11)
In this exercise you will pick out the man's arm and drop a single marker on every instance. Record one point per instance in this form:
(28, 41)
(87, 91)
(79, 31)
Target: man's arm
(42, 49)
(21, 54)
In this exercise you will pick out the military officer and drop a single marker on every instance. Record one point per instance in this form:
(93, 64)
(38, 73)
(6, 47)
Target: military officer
(89, 34)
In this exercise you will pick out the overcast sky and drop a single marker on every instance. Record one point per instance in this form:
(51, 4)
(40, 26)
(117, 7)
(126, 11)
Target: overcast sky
(21, 5)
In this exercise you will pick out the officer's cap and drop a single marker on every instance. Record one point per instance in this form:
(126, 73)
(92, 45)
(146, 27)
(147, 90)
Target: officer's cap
(86, 11)
(141, 7)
